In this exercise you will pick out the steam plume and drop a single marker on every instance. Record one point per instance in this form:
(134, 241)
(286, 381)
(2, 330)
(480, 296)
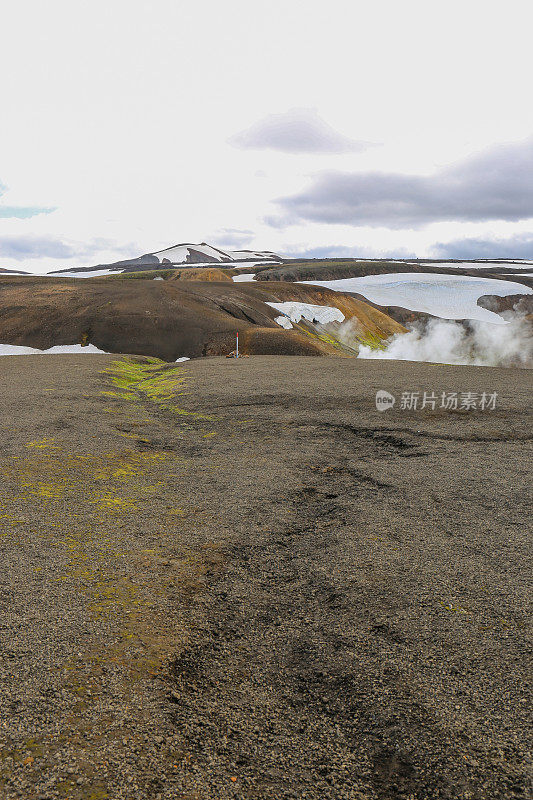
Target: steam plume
(447, 342)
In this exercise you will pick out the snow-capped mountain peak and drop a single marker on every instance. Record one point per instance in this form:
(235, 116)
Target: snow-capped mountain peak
(176, 255)
(187, 253)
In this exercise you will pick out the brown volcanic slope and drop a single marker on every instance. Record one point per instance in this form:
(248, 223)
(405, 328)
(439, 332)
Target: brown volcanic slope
(201, 274)
(169, 319)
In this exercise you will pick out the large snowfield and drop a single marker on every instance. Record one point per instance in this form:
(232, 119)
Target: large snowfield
(444, 296)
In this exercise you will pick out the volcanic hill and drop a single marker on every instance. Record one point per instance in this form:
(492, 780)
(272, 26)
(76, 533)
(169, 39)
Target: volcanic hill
(176, 318)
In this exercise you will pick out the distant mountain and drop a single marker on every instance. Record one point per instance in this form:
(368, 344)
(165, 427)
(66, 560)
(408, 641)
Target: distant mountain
(178, 255)
(202, 253)
(12, 272)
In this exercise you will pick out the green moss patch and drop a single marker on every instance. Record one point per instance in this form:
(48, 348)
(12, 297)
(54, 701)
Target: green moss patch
(150, 379)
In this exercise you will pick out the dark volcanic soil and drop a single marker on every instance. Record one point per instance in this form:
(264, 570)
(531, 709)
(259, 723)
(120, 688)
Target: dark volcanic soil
(262, 587)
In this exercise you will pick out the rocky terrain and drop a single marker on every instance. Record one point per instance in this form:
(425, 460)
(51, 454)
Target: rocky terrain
(521, 304)
(237, 579)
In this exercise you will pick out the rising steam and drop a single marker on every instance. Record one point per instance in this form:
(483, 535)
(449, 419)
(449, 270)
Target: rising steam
(447, 342)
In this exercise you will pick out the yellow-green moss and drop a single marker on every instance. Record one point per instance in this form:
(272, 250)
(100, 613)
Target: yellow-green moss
(152, 380)
(371, 341)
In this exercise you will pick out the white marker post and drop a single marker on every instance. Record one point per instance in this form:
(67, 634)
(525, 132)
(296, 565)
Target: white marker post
(237, 350)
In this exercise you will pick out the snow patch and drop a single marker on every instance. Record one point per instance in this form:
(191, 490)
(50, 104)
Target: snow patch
(284, 322)
(179, 253)
(183, 358)
(320, 314)
(247, 255)
(244, 277)
(19, 350)
(95, 273)
(485, 264)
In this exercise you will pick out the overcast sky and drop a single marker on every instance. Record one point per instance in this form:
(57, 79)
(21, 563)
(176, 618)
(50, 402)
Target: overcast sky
(343, 127)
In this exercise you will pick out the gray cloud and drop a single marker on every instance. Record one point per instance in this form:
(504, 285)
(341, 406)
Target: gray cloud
(299, 130)
(23, 247)
(232, 237)
(518, 246)
(277, 221)
(495, 184)
(341, 251)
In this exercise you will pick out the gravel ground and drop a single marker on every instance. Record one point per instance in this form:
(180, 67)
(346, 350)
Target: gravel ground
(264, 588)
